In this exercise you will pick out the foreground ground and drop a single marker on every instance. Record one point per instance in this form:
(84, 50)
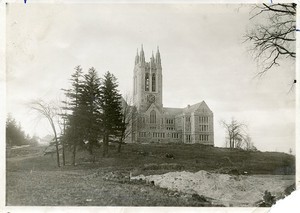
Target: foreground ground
(34, 179)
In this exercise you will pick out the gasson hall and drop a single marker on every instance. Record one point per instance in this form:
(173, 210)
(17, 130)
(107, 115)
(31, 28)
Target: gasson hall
(157, 124)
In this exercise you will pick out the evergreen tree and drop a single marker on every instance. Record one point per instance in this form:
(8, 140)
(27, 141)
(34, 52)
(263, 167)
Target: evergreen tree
(15, 136)
(90, 101)
(111, 109)
(73, 135)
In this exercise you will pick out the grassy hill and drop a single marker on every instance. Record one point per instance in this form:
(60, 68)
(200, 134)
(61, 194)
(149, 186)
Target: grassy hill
(34, 179)
(193, 157)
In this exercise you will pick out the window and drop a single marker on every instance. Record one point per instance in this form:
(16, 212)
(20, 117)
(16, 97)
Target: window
(152, 117)
(203, 137)
(174, 135)
(142, 134)
(203, 120)
(170, 121)
(135, 86)
(147, 82)
(153, 82)
(204, 128)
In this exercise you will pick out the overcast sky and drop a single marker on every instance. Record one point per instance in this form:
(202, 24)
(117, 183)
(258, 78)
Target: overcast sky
(202, 51)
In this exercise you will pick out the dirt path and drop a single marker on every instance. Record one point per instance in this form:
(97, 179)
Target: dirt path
(25, 157)
(222, 188)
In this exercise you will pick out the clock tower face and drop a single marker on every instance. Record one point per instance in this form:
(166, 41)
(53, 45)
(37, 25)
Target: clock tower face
(151, 98)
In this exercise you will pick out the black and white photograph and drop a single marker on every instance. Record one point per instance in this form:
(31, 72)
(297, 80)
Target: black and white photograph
(153, 104)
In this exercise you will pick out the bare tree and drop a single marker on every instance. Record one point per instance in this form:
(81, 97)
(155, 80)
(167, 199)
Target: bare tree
(248, 143)
(235, 133)
(128, 116)
(50, 112)
(274, 37)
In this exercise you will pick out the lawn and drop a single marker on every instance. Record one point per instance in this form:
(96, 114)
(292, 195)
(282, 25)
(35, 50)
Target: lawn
(34, 179)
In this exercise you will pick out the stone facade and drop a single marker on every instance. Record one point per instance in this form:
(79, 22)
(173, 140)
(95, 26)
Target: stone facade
(152, 122)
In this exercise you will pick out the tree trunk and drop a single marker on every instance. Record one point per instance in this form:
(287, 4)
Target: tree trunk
(105, 145)
(63, 153)
(74, 155)
(119, 146)
(121, 141)
(92, 153)
(56, 143)
(63, 146)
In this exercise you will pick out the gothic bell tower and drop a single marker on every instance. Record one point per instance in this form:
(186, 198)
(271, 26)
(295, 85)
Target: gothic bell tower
(147, 81)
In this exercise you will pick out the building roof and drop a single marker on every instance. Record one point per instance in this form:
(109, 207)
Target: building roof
(172, 111)
(188, 109)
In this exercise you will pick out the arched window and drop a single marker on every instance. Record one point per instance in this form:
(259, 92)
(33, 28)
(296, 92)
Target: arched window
(147, 82)
(153, 82)
(152, 117)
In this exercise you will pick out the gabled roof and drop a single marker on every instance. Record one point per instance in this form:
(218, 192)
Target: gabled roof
(193, 108)
(172, 111)
(188, 109)
(151, 107)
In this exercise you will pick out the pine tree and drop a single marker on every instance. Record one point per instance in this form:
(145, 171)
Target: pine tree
(73, 131)
(15, 136)
(111, 109)
(90, 100)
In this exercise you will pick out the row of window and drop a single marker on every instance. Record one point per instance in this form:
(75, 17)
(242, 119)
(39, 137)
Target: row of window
(203, 128)
(170, 128)
(154, 134)
(142, 134)
(171, 121)
(173, 135)
(203, 119)
(147, 82)
(201, 138)
(158, 135)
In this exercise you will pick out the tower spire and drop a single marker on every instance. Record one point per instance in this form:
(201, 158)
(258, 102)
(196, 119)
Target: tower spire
(137, 57)
(142, 55)
(152, 59)
(157, 58)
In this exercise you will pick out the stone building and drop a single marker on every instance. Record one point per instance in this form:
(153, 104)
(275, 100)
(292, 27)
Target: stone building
(154, 123)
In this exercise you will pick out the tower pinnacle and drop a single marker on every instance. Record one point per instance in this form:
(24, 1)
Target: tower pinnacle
(157, 58)
(142, 56)
(137, 57)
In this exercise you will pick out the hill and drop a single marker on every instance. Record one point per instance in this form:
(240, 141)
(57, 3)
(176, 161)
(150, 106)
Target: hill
(34, 179)
(192, 157)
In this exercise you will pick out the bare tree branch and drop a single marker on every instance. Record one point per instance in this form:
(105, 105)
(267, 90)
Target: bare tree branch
(274, 40)
(48, 111)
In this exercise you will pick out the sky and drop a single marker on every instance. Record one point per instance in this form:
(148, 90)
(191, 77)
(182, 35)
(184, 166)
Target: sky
(202, 51)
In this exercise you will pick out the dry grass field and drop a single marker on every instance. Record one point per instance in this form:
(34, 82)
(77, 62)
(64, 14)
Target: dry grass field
(34, 179)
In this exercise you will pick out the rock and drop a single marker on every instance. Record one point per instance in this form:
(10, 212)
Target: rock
(169, 155)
